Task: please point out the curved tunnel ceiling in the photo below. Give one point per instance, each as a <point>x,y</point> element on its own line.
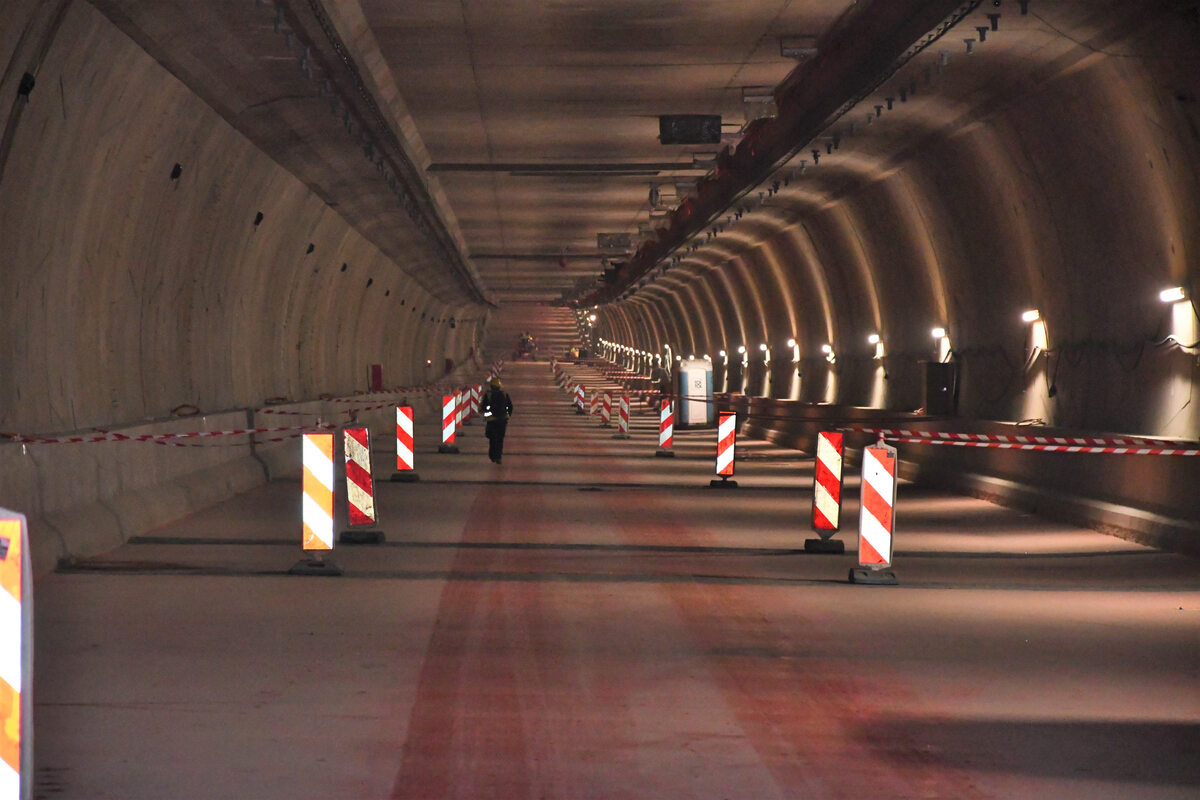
<point>451,156</point>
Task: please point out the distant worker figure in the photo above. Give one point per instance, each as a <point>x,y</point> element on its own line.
<point>497,408</point>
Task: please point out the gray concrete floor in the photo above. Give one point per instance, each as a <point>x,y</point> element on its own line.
<point>589,621</point>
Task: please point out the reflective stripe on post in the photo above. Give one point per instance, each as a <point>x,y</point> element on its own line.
<point>666,424</point>
<point>623,421</point>
<point>317,484</point>
<point>448,409</point>
<point>726,432</point>
<point>360,491</point>
<point>579,392</point>
<point>16,657</point>
<point>827,483</point>
<point>404,438</point>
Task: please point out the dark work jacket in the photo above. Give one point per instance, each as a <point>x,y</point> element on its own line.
<point>497,408</point>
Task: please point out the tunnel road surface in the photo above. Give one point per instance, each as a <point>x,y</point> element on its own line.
<point>588,621</point>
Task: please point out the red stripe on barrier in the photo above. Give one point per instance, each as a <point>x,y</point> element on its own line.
<point>868,554</point>
<point>829,482</point>
<point>876,506</point>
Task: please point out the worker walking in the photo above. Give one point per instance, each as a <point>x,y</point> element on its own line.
<point>497,408</point>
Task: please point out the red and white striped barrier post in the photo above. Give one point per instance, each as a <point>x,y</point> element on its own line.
<point>464,407</point>
<point>477,398</point>
<point>449,407</point>
<point>16,657</point>
<point>316,483</point>
<point>827,495</point>
<point>606,411</point>
<point>666,430</point>
<point>623,419</point>
<point>726,439</point>
<point>360,488</point>
<point>405,472</point>
<point>876,520</point>
<point>579,391</point>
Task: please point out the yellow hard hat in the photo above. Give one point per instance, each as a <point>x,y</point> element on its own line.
<point>495,383</point>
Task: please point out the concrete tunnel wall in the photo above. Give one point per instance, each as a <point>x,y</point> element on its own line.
<point>1078,195</point>
<point>128,294</point>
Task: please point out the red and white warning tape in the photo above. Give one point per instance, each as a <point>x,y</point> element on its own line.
<point>1082,441</point>
<point>160,438</point>
<point>1053,448</point>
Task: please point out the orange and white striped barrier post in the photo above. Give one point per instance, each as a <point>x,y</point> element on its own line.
<point>666,430</point>
<point>877,518</point>
<point>623,419</point>
<point>606,411</point>
<point>360,488</point>
<point>405,463</point>
<point>594,404</point>
<point>449,411</point>
<point>726,437</point>
<point>316,483</point>
<point>16,658</point>
<point>827,495</point>
<point>579,391</point>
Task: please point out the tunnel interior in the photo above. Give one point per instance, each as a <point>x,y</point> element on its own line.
<point>209,211</point>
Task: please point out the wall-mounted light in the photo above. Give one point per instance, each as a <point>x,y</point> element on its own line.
<point>723,355</point>
<point>826,349</point>
<point>791,342</point>
<point>874,339</point>
<point>1032,315</point>
<point>741,349</point>
<point>1173,295</point>
<point>938,333</point>
<point>707,357</point>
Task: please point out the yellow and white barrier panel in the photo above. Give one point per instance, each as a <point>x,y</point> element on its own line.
<point>16,658</point>
<point>317,476</point>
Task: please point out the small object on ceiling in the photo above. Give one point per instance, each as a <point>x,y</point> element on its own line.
<point>176,171</point>
<point>258,218</point>
<point>799,46</point>
<point>689,128</point>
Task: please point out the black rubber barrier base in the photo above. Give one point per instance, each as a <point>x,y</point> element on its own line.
<point>874,577</point>
<point>448,448</point>
<point>621,436</point>
<point>405,477</point>
<point>663,452</point>
<point>361,537</point>
<point>723,483</point>
<point>834,546</point>
<point>315,568</point>
<point>579,411</point>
